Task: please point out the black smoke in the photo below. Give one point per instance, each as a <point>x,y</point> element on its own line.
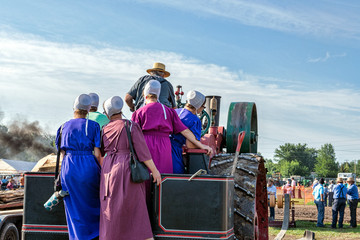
<point>23,140</point>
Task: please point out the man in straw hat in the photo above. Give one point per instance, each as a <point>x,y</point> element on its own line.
<point>167,96</point>
<point>339,203</point>
<point>353,198</point>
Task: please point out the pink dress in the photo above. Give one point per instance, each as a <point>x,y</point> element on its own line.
<point>123,214</point>
<point>157,123</point>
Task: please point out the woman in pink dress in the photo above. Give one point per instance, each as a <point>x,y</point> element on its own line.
<point>124,214</point>
<point>157,123</point>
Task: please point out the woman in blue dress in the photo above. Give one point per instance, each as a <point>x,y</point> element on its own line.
<point>188,115</point>
<point>80,171</point>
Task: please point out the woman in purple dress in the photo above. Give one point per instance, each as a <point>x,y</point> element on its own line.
<point>124,214</point>
<point>80,171</point>
<point>157,123</point>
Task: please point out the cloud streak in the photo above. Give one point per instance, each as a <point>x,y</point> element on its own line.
<point>40,80</point>
<point>326,57</point>
<point>302,18</point>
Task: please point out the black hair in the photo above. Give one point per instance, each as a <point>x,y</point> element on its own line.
<point>321,181</point>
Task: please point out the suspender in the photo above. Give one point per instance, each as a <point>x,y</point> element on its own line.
<point>341,192</point>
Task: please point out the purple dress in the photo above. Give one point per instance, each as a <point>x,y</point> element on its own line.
<point>157,123</point>
<point>80,175</point>
<point>124,214</point>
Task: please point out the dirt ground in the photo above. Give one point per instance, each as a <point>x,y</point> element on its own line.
<point>309,213</point>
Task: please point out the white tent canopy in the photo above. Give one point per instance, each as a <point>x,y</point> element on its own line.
<point>15,166</point>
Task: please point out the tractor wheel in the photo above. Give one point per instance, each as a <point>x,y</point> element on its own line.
<point>242,116</point>
<point>250,195</point>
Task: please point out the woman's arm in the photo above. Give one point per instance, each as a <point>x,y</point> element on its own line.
<point>155,173</point>
<point>62,154</point>
<point>191,137</point>
<point>97,154</point>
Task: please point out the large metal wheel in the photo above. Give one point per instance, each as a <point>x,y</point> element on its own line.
<point>242,116</point>
<point>250,195</point>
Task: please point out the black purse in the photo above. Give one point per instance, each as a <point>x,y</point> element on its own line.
<point>139,171</point>
<point>57,180</point>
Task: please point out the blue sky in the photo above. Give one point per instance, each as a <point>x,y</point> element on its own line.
<point>298,60</point>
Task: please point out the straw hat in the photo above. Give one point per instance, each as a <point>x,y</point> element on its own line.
<point>159,67</point>
<point>339,180</point>
<point>350,179</point>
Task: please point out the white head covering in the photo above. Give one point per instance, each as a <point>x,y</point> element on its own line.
<point>152,87</point>
<point>94,99</point>
<point>82,102</point>
<point>113,105</point>
<point>195,98</point>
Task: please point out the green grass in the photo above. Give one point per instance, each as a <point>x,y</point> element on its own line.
<point>320,233</point>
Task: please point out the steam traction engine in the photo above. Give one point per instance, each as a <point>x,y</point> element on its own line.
<point>250,210</point>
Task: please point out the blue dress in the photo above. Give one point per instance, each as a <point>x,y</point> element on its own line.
<point>192,122</point>
<point>80,176</point>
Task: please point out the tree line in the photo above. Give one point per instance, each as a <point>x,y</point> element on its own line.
<point>299,159</point>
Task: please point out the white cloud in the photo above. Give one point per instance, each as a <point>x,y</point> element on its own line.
<point>326,57</point>
<point>323,19</point>
<point>40,80</point>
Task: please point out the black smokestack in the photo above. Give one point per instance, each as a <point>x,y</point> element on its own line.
<point>26,141</point>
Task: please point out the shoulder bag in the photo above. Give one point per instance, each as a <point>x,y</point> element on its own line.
<point>139,171</point>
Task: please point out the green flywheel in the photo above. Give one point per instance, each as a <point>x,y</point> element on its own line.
<point>242,116</point>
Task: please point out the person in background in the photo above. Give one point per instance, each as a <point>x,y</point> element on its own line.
<point>94,115</point>
<point>293,186</point>
<point>80,171</point>
<point>287,187</point>
<point>4,183</point>
<point>271,189</point>
<point>124,214</point>
<point>326,193</point>
<point>352,198</point>
<point>316,182</point>
<point>157,123</point>
<point>166,97</point>
<point>188,115</point>
<point>339,203</point>
<point>11,184</point>
<point>22,181</point>
<point>318,194</point>
<point>331,192</point>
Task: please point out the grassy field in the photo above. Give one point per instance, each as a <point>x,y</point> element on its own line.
<point>320,233</point>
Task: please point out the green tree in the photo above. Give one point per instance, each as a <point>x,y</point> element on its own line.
<point>296,153</point>
<point>326,165</point>
<point>345,167</point>
<point>271,166</point>
<point>288,169</point>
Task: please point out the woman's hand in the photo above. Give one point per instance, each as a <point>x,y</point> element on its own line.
<point>157,177</point>
<point>208,149</point>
